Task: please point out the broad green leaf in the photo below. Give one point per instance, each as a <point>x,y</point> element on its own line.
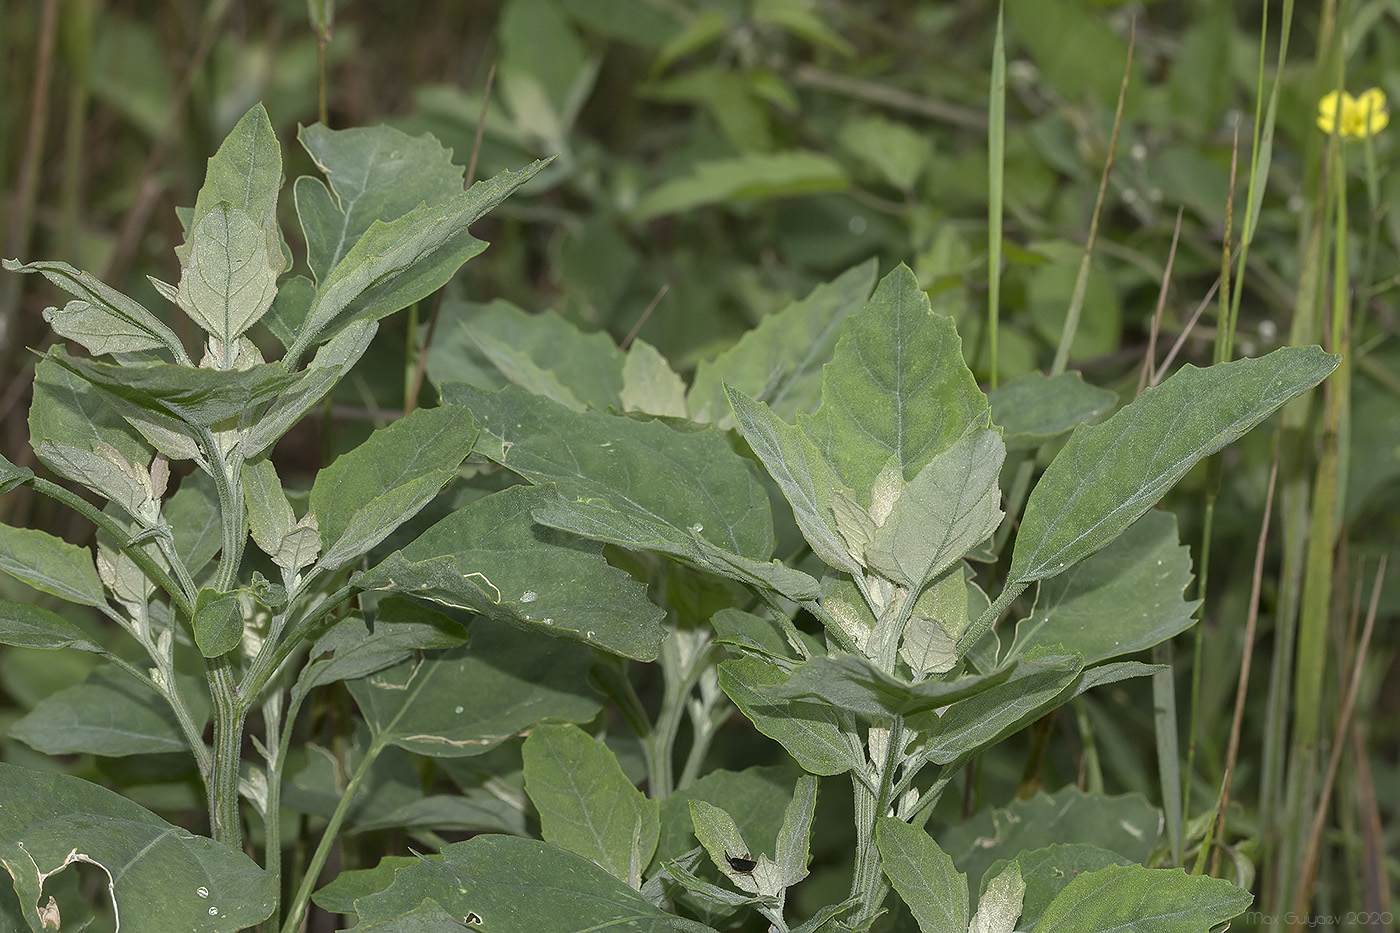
<point>396,263</point>
<point>804,476</point>
<point>294,296</point>
<point>68,409</point>
<point>374,173</point>
<point>468,700</point>
<point>586,804</point>
<point>218,622</point>
<point>649,384</point>
<point>1144,900</point>
<point>27,626</point>
<point>897,151</point>
<point>98,303</point>
<point>160,877</point>
<point>923,875</point>
<point>229,278</point>
<point>722,841</point>
<point>401,628</point>
<point>246,174</point>
<point>1122,599</point>
<point>736,627</point>
<point>492,345</point>
<point>339,896</point>
<point>1112,673</point>
<point>491,557</point>
<point>945,511</point>
<point>110,713</point>
<point>794,840</point>
<point>513,885</point>
<point>474,811</point>
<point>929,645</point>
<point>1036,407</point>
<point>853,683</point>
<point>813,733</point>
<point>100,331</point>
<point>201,397</point>
<point>1109,474</point>
<point>193,515</point>
<point>105,471</point>
<point>378,518</point>
<point>425,446</point>
<point>896,387</point>
<point>668,481</point>
<point>1127,825</point>
<point>756,799</point>
<point>330,364</point>
<point>270,515</point>
<point>779,362</point>
<point>1047,871</point>
<point>51,565</point>
<point>752,177</point>
<point>12,476</point>
<point>1039,683</point>
<point>1000,904</point>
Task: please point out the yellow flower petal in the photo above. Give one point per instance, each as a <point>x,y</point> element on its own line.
<point>1353,117</point>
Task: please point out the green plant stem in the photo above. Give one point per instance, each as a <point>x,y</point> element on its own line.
<point>296,910</point>
<point>996,171</point>
<point>985,622</point>
<point>868,887</point>
<point>222,783</point>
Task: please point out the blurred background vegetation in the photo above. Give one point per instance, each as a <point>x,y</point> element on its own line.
<point>717,158</point>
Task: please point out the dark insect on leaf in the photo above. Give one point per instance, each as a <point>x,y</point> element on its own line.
<point>742,865</point>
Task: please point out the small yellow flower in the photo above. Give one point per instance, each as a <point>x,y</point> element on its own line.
<point>1353,117</point>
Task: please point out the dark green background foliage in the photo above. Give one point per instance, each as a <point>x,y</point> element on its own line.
<point>616,489</point>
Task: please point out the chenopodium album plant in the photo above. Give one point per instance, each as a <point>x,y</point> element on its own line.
<point>888,458</point>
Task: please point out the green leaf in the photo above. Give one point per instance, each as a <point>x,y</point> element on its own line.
<point>330,364</point>
<point>1127,825</point>
<point>757,798</point>
<point>586,804</point>
<point>50,565</point>
<point>110,713</point>
<point>853,683</point>
<point>650,385</point>
<point>294,296</point>
<point>270,515</point>
<point>794,840</point>
<point>229,278</point>
<point>1109,474</point>
<point>1047,871</point>
<point>374,173</point>
<point>779,362</point>
<point>12,476</point>
<point>660,481</point>
<point>751,177</point>
<point>26,626</point>
<point>1038,684</point>
<point>422,449</point>
<point>923,875</point>
<point>401,628</point>
<point>246,174</point>
<point>492,345</point>
<point>68,409</point>
<point>1036,407</point>
<point>396,263</point>
<point>513,885</point>
<point>1000,904</point>
<point>105,471</point>
<point>1144,900</point>
<point>942,513</point>
<point>1123,599</point>
<point>196,397</point>
<point>896,387</point>
<point>490,557</point>
<point>897,151</point>
<point>468,700</point>
<point>802,473</point>
<point>218,622</point>
<point>160,877</point>
<point>195,524</point>
<point>813,733</point>
<point>131,325</point>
